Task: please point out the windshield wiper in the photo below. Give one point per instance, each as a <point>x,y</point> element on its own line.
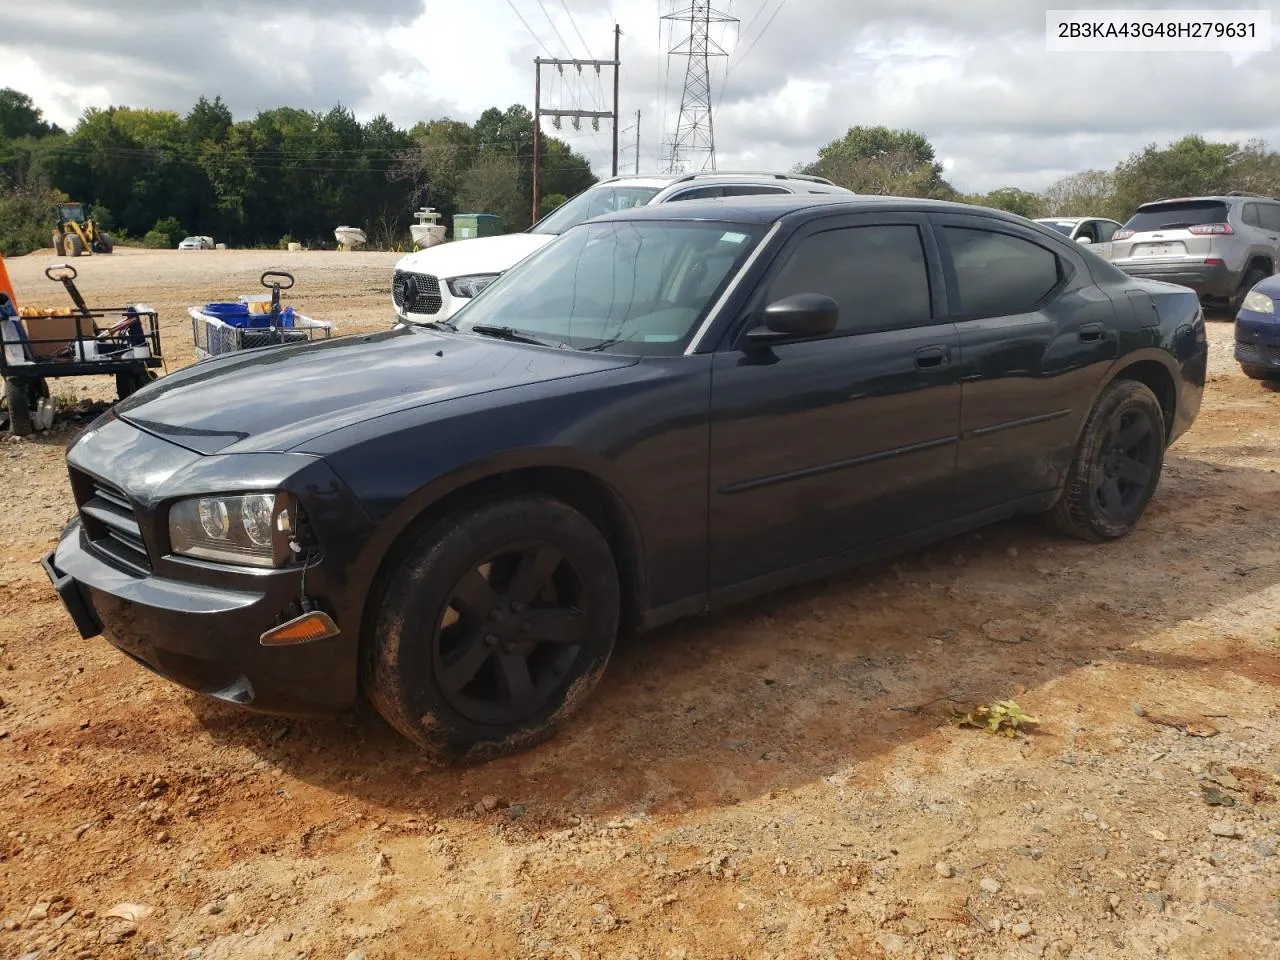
<point>436,325</point>
<point>506,333</point>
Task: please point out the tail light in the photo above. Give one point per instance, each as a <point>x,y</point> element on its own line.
<point>1210,229</point>
<point>1122,235</point>
<point>1212,262</point>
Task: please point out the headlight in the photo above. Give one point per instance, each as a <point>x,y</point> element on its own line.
<point>1258,302</point>
<point>470,286</point>
<point>254,529</point>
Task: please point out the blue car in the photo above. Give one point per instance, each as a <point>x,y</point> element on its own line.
<point>1258,331</point>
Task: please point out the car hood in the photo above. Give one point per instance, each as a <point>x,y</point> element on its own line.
<point>275,398</point>
<point>463,258</point>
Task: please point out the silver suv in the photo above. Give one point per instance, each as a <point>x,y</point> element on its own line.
<point>1218,246</point>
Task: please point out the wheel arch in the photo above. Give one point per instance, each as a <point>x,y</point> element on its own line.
<point>584,490</point>
<point>1261,261</point>
<point>1157,377</point>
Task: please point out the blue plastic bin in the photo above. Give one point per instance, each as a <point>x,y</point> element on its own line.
<point>238,315</point>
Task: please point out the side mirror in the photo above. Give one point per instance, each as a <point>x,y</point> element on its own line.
<point>795,317</point>
<point>1084,240</point>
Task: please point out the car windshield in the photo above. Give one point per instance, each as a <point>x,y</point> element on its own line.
<point>593,203</point>
<point>1171,216</point>
<point>1064,227</point>
<point>633,287</point>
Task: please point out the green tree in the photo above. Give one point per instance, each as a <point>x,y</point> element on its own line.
<point>1190,167</point>
<point>20,117</point>
<point>492,186</point>
<point>1022,202</point>
<point>548,203</point>
<point>880,160</point>
<point>1084,194</point>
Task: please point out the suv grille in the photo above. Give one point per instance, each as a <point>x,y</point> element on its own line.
<point>110,524</point>
<point>416,292</point>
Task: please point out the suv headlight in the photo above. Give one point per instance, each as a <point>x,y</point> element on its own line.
<point>1258,302</point>
<point>252,529</point>
<point>471,286</point>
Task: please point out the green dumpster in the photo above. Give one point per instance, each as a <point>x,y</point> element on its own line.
<point>467,226</point>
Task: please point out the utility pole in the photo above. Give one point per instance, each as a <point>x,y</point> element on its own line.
<point>695,134</point>
<point>577,116</point>
<point>637,143</point>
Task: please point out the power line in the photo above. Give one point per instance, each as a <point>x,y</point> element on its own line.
<point>763,31</point>
<point>529,28</point>
<point>574,24</point>
<point>553,27</point>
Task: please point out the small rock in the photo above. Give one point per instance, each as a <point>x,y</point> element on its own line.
<point>381,863</point>
<point>945,870</point>
<point>80,831</point>
<point>1021,930</point>
<point>33,955</point>
<point>11,925</point>
<point>212,909</point>
<point>990,885</point>
<point>1114,901</point>
<point>1033,853</point>
<point>355,955</point>
<point>1265,847</point>
<point>1139,710</point>
<point>39,912</point>
<point>491,803</point>
<point>912,927</point>
<point>1005,631</point>
<point>195,953</point>
<point>1089,817</point>
<point>515,811</point>
<point>162,836</point>
<point>1156,900</point>
<point>1224,828</point>
<point>132,912</point>
<point>1222,906</point>
<point>891,943</point>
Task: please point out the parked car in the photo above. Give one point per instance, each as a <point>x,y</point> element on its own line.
<point>1218,246</point>
<point>1258,331</point>
<point>1093,232</point>
<point>432,284</point>
<point>196,243</point>
<point>663,411</point>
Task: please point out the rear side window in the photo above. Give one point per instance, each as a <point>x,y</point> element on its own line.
<point>997,274</point>
<point>1250,215</point>
<point>1269,216</point>
<point>1106,230</point>
<point>1176,215</point>
<point>698,193</point>
<point>750,189</point>
<point>877,275</point>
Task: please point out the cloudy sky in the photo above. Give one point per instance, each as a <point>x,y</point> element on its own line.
<point>973,75</point>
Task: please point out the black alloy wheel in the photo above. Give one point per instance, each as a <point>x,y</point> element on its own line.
<point>1127,458</point>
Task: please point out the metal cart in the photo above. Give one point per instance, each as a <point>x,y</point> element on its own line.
<point>253,321</point>
<point>83,341</point>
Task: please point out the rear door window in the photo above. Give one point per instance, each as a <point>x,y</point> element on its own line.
<point>1000,275</point>
<point>1177,215</point>
<point>1250,215</point>
<point>1269,216</point>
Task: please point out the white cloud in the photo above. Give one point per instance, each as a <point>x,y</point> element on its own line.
<point>974,77</point>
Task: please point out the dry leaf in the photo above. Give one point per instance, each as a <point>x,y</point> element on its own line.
<point>1003,717</point>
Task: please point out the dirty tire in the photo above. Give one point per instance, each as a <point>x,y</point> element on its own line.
<point>17,396</point>
<point>129,383</point>
<point>74,245</point>
<point>59,244</point>
<point>104,244</point>
<point>1107,489</point>
<point>475,597</point>
<point>1261,373</point>
<point>1251,280</point>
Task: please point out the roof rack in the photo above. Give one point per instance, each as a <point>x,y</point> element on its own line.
<point>751,173</point>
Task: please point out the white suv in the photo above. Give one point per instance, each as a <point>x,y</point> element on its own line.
<point>432,284</point>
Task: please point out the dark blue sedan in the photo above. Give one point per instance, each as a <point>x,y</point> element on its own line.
<point>659,413</point>
<point>1258,331</point>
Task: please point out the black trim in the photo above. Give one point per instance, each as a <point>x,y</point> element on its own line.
<point>1023,422</point>
<point>73,599</point>
<point>769,481</point>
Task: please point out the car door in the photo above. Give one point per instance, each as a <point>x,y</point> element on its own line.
<point>1106,230</point>
<point>824,445</point>
<point>1269,221</point>
<point>1036,337</point>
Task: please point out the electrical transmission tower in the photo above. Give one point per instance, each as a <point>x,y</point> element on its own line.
<point>694,142</point>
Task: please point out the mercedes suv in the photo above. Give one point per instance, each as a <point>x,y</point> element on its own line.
<point>432,284</point>
<point>1220,247</point>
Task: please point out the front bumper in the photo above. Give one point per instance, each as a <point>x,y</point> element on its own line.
<point>1257,340</point>
<point>203,637</point>
<point>1208,280</point>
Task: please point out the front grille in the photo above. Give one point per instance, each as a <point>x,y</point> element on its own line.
<point>110,524</point>
<point>416,292</point>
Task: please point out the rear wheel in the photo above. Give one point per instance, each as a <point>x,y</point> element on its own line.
<point>128,383</point>
<point>103,244</point>
<point>21,396</point>
<point>1251,279</point>
<point>74,245</point>
<point>495,627</point>
<point>1116,467</point>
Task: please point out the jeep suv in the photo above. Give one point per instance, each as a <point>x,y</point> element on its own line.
<point>432,284</point>
<point>1218,246</point>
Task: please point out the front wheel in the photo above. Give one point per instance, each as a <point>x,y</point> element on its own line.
<point>494,628</point>
<point>1260,373</point>
<point>1116,467</point>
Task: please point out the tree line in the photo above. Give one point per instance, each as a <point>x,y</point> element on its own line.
<point>155,176</point>
<point>287,174</point>
<point>880,160</point>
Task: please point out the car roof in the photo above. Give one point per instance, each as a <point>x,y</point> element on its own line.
<point>1064,219</point>
<point>663,180</point>
<point>1213,198</point>
<point>772,207</point>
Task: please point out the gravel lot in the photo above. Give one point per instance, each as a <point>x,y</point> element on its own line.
<point>783,781</point>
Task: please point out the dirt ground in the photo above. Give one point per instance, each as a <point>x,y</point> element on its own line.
<point>783,781</point>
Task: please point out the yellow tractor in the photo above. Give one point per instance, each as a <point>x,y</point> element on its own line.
<point>76,233</point>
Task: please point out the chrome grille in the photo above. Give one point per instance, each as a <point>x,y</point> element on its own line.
<point>416,292</point>
<point>110,524</point>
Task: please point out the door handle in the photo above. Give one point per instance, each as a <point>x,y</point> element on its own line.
<point>928,358</point>
<point>1091,333</point>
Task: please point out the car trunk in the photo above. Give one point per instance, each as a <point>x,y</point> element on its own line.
<point>1165,231</point>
